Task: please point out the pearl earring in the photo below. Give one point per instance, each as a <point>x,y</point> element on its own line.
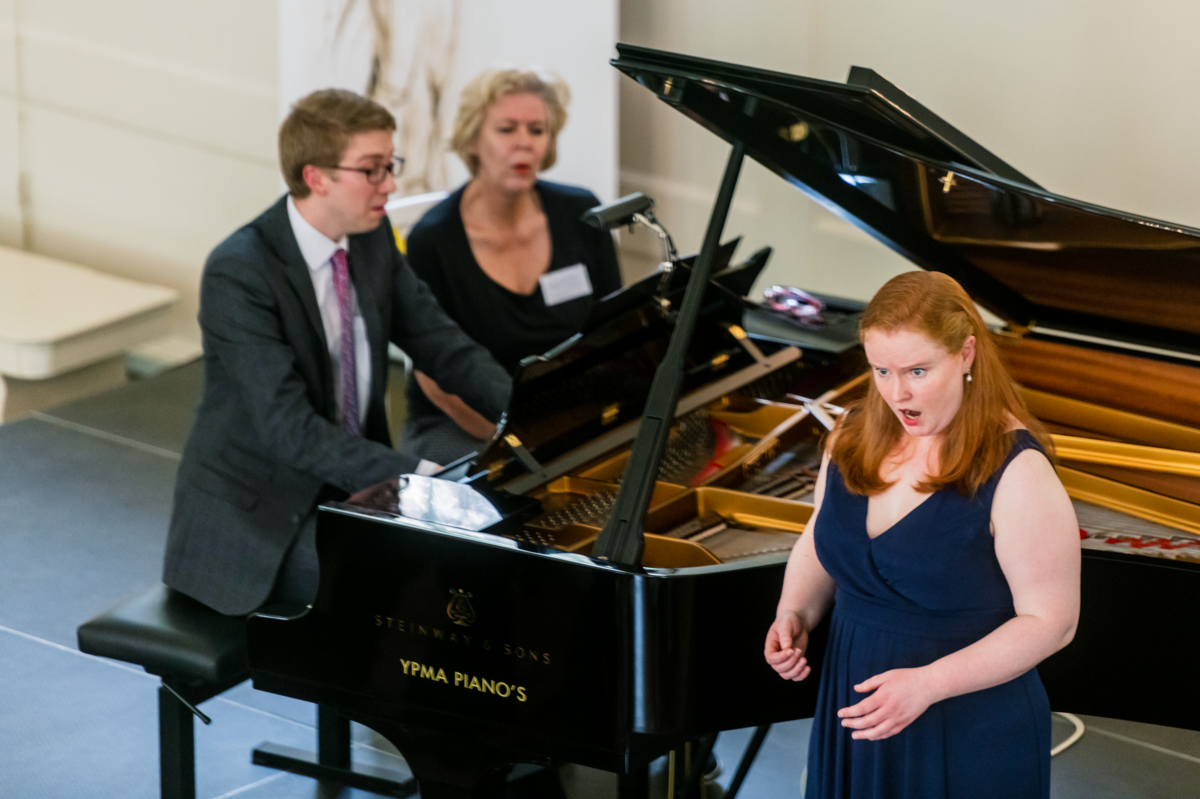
<point>968,375</point>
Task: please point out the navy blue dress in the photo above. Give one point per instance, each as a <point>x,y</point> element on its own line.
<point>928,586</point>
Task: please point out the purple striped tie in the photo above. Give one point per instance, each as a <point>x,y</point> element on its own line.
<point>341,285</point>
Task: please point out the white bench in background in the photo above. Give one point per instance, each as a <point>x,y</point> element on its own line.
<point>64,329</point>
<point>403,212</point>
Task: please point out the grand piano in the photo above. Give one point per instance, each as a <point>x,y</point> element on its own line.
<point>595,585</point>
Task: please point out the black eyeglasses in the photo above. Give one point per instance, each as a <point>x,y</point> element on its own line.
<point>377,174</point>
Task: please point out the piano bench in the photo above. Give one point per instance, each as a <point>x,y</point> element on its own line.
<point>200,653</point>
<point>197,652</point>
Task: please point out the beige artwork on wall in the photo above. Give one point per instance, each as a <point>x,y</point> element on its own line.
<point>409,72</point>
<point>415,56</point>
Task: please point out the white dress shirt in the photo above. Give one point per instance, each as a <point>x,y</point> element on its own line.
<point>318,251</point>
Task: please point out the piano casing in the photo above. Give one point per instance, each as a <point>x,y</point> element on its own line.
<point>456,621</point>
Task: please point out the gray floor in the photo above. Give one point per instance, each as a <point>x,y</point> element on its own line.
<point>85,494</point>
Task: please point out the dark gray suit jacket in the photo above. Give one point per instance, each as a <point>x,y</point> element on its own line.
<point>265,447</point>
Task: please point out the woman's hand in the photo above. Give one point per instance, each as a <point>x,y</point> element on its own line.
<point>786,643</point>
<point>901,695</point>
<point>807,595</point>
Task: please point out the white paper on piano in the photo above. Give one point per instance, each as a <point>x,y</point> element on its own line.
<point>566,284</point>
<point>426,468</point>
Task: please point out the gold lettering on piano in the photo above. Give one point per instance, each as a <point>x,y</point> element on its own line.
<point>414,669</point>
<point>460,638</point>
<point>500,688</point>
<point>948,182</point>
<point>522,653</point>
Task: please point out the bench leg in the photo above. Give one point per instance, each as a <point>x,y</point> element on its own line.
<point>176,747</point>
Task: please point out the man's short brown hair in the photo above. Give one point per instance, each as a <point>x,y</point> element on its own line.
<point>319,128</point>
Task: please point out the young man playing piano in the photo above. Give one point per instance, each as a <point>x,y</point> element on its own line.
<point>296,312</point>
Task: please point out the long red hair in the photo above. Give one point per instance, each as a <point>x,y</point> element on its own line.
<point>974,444</point>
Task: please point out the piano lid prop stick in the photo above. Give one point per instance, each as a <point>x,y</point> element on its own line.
<point>621,541</point>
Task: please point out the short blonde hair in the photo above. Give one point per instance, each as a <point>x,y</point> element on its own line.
<point>487,88</point>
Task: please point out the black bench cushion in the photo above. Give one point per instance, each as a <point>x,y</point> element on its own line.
<point>171,635</point>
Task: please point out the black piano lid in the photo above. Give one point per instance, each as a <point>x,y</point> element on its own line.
<point>876,158</point>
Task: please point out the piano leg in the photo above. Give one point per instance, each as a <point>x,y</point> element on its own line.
<point>634,783</point>
<point>447,766</point>
<point>691,788</point>
<point>332,761</point>
<point>333,738</point>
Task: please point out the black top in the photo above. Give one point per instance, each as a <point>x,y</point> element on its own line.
<point>511,326</point>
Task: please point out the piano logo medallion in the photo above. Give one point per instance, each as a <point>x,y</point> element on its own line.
<point>460,610</point>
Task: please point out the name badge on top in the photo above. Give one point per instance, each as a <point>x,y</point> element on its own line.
<point>566,284</point>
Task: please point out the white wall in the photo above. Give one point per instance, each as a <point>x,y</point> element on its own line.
<point>142,132</point>
<point>448,42</point>
<point>145,129</point>
<point>11,232</point>
<point>1093,99</point>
